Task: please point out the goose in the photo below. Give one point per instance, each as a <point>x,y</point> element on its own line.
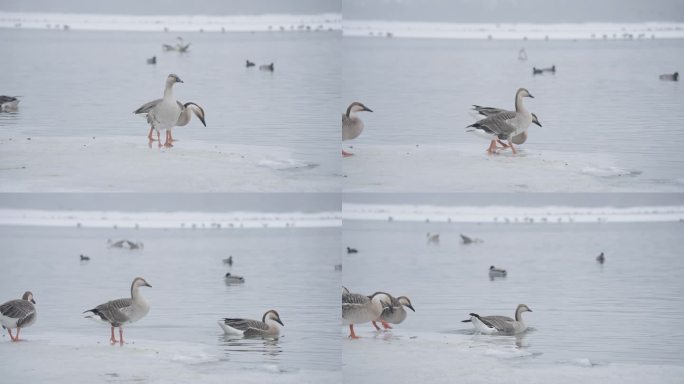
<point>500,324</point>
<point>668,77</point>
<point>358,308</point>
<point>395,313</point>
<point>352,250</point>
<point>432,238</point>
<point>352,125</point>
<point>249,64</point>
<point>163,114</point>
<point>234,279</point>
<point>85,258</point>
<point>122,311</point>
<point>18,314</point>
<point>8,103</point>
<point>496,272</point>
<point>267,67</point>
<point>186,113</point>
<point>520,120</point>
<point>253,328</point>
<point>601,258</point>
<point>228,261</point>
<point>152,60</point>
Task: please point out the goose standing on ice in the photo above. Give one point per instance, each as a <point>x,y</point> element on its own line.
<point>500,324</point>
<point>352,125</point>
<point>395,313</point>
<point>163,114</point>
<point>8,103</point>
<point>18,314</point>
<point>359,309</point>
<point>253,328</point>
<point>122,311</point>
<point>500,124</point>
<point>186,114</point>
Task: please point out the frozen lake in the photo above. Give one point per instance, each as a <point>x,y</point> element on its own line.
<point>590,321</point>
<point>608,121</point>
<point>76,91</point>
<point>179,340</point>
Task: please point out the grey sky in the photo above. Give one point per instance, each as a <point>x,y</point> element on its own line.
<point>192,202</point>
<point>533,11</point>
<point>173,7</point>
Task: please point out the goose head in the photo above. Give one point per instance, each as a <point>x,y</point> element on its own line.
<point>173,79</point>
<point>140,282</point>
<point>197,110</point>
<point>405,301</point>
<point>523,308</point>
<point>535,120</point>
<point>357,107</point>
<point>28,296</point>
<point>522,92</point>
<point>273,316</point>
<point>382,298</point>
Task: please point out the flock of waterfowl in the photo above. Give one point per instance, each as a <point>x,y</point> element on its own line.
<point>494,124</point>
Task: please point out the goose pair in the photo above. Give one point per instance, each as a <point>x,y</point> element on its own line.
<point>358,308</point>
<point>118,312</point>
<point>352,125</point>
<point>500,324</point>
<point>165,113</point>
<point>18,314</point>
<point>500,124</point>
<point>267,327</point>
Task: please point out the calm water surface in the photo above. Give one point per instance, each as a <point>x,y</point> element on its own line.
<point>290,270</point>
<point>629,310</point>
<point>84,83</point>
<point>604,98</point>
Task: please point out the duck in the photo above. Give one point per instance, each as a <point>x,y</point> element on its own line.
<point>85,258</point>
<point>352,125</point>
<point>500,324</point>
<point>670,77</point>
<point>234,279</point>
<point>395,313</point>
<point>152,60</point>
<point>267,327</point>
<point>358,308</point>
<point>119,312</point>
<point>249,64</point>
<point>228,261</point>
<point>496,272</point>
<point>18,314</point>
<point>267,67</point>
<point>351,250</point>
<point>601,258</point>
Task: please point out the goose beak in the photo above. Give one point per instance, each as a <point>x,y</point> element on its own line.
<point>529,310</point>
<point>367,109</point>
<point>33,301</point>
<point>148,285</point>
<point>279,321</point>
<point>537,123</point>
<point>411,307</point>
<point>530,95</point>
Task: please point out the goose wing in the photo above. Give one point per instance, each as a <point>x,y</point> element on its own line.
<point>247,326</point>
<point>501,323</point>
<point>487,111</point>
<point>498,124</point>
<point>18,309</point>
<point>115,311</point>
